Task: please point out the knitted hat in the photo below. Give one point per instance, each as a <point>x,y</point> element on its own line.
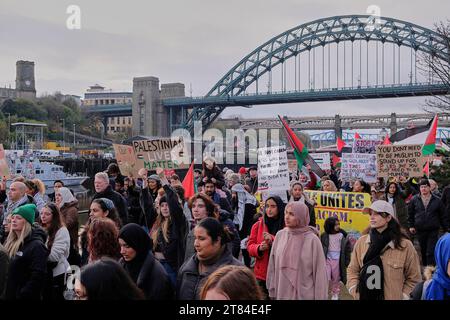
<point>155,177</point>
<point>27,211</point>
<point>242,170</point>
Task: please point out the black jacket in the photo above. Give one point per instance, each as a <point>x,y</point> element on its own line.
<point>4,262</point>
<point>136,213</point>
<point>431,218</point>
<point>190,282</point>
<point>174,249</point>
<point>153,279</point>
<point>119,202</point>
<point>226,219</point>
<point>344,258</point>
<point>252,184</point>
<point>28,268</point>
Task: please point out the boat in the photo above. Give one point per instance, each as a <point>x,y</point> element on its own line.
<point>30,167</point>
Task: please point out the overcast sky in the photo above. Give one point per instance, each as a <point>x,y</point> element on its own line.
<point>190,41</point>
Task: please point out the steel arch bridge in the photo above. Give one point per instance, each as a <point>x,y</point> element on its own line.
<point>336,31</point>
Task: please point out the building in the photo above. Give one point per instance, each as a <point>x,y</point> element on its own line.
<point>98,95</point>
<point>25,83</point>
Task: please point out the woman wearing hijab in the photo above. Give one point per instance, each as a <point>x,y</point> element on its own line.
<point>297,269</point>
<point>439,287</point>
<point>262,237</point>
<point>68,206</point>
<point>140,263</point>
<point>297,194</point>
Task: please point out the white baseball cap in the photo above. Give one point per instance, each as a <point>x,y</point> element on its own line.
<point>381,206</point>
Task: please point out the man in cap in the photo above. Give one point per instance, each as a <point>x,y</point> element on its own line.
<point>252,181</point>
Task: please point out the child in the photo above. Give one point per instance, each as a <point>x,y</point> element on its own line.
<point>337,250</point>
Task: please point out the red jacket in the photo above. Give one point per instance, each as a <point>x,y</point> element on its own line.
<point>255,240</point>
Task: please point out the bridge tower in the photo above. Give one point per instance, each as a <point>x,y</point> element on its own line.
<point>393,123</point>
<point>337,126</point>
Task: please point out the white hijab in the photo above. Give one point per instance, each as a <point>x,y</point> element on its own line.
<point>67,196</point>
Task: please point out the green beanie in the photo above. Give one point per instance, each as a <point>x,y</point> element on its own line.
<point>27,212</point>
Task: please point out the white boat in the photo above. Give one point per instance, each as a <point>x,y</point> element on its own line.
<point>31,168</point>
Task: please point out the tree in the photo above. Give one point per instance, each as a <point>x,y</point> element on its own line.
<point>441,174</point>
<point>431,65</point>
<point>24,108</point>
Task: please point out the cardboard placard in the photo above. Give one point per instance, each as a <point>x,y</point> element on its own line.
<point>359,166</point>
<point>400,160</point>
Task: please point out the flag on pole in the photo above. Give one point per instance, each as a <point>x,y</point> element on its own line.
<point>335,160</point>
<point>429,145</point>
<point>300,150</point>
<point>340,144</point>
<point>189,186</point>
<point>412,135</point>
<point>357,136</point>
<point>386,140</point>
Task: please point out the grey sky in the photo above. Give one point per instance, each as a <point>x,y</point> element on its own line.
<point>188,41</point>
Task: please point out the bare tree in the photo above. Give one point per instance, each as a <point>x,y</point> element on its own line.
<point>438,68</point>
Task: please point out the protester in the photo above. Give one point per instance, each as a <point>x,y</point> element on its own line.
<point>298,195</point>
<point>212,172</point>
<point>5,230</point>
<point>439,286</point>
<point>396,197</point>
<point>329,186</point>
<point>245,205</point>
<point>113,172</point>
<point>309,183</point>
<point>58,243</point>
<point>242,175</point>
<point>175,180</point>
<point>231,283</point>
<point>262,236</point>
<point>105,279</point>
<point>211,240</point>
<point>252,180</point>
<point>28,256</point>
<point>197,176</point>
<point>17,197</point>
<point>136,213</point>
<point>56,185</point>
<point>102,238</point>
<point>388,251</point>
<point>68,206</point>
<point>104,190</point>
<point>169,231</point>
<point>360,185</point>
<point>36,189</point>
<point>142,266</point>
<point>4,262</point>
<point>297,269</point>
<point>434,188</point>
<point>202,207</point>
<point>337,250</point>
<point>419,291</point>
<point>426,214</point>
<point>218,196</point>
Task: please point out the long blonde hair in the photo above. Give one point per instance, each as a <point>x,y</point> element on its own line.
<point>14,241</point>
<point>161,225</point>
<point>40,185</point>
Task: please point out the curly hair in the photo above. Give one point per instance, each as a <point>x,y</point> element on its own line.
<point>211,207</point>
<point>102,237</point>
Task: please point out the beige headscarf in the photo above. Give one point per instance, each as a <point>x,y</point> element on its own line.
<point>297,263</point>
<point>67,196</point>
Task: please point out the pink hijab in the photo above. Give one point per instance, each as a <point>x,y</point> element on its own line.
<point>294,252</point>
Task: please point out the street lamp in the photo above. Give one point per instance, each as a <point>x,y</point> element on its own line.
<point>64,134</point>
<point>9,128</point>
<point>74,137</point>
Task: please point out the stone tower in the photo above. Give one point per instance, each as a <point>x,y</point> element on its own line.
<point>25,84</point>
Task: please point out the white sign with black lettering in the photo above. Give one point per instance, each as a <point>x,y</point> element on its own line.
<point>273,173</point>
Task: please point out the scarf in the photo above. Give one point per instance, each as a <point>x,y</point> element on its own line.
<point>67,196</point>
<point>135,236</point>
<point>439,288</point>
<point>372,258</point>
<point>13,205</point>
<point>243,198</point>
<point>275,224</point>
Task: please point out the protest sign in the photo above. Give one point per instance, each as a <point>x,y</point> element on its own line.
<point>322,159</point>
<point>358,166</point>
<point>273,173</point>
<point>346,206</point>
<point>166,153</point>
<point>365,146</point>
<point>126,160</point>
<point>4,168</point>
<point>400,160</point>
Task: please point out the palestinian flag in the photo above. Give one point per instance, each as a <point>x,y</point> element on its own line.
<point>189,185</point>
<point>430,143</point>
<point>386,141</point>
<point>426,168</point>
<point>414,135</point>
<point>336,159</point>
<point>357,136</point>
<point>340,144</point>
<point>300,150</point>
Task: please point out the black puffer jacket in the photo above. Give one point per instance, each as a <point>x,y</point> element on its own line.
<point>28,268</point>
<point>119,202</point>
<point>226,219</point>
<point>431,218</point>
<point>190,281</point>
<point>153,279</point>
<point>136,214</point>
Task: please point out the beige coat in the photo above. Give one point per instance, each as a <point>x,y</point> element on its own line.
<point>401,268</point>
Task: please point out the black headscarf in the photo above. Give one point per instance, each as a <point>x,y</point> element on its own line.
<point>275,224</point>
<point>136,237</point>
<point>378,241</point>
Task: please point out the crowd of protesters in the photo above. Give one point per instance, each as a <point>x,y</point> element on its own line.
<point>144,240</point>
